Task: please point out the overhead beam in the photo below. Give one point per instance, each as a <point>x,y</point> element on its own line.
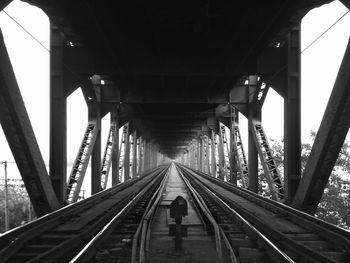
<point>328,142</point>
<point>21,139</point>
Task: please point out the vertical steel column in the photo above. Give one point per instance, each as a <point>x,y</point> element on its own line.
<point>199,154</point>
<point>138,155</point>
<point>127,157</point>
<point>233,154</point>
<point>207,156</point>
<point>142,154</point>
<point>153,155</point>
<point>115,147</point>
<point>134,152</point>
<point>146,156</point>
<point>221,158</point>
<point>150,155</point>
<point>191,156</point>
<point>96,162</point>
<point>95,115</point>
<point>194,161</point>
<point>58,115</point>
<point>20,136</point>
<point>292,117</point>
<point>203,141</point>
<point>213,154</point>
<point>253,157</point>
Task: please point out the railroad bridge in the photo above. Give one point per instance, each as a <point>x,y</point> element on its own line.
<point>174,76</point>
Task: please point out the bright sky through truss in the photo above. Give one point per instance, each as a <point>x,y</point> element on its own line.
<point>320,65</point>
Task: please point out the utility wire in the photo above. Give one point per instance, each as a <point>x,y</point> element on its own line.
<point>25,30</point>
<point>308,46</point>
<point>324,32</point>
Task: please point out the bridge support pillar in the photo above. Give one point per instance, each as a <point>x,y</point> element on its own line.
<point>58,116</point>
<point>328,142</point>
<point>127,157</point>
<point>207,160</point>
<point>142,155</point>
<point>233,154</point>
<point>292,117</point>
<point>147,155</point>
<point>94,110</point>
<point>96,163</point>
<point>21,139</point>
<point>115,148</point>
<point>199,154</point>
<point>134,155</point>
<point>253,157</point>
<point>221,160</point>
<point>213,154</point>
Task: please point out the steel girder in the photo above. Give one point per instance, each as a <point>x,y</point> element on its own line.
<point>328,142</point>
<point>21,139</point>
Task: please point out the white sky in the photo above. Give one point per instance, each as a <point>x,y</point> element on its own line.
<point>320,65</point>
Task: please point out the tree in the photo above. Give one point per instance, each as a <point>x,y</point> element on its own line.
<point>19,208</point>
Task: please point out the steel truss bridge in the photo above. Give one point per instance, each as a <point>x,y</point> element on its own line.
<point>174,78</point>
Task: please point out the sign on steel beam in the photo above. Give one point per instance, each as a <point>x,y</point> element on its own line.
<point>81,162</point>
<point>268,162</point>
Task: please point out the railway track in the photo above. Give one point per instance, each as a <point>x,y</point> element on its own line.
<point>118,240</point>
<point>236,239</point>
<point>301,237</point>
<point>58,236</point>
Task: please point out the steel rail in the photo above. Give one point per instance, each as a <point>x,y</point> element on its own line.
<point>324,229</point>
<point>146,222</point>
<point>288,243</point>
<point>51,220</point>
<point>9,236</point>
<point>267,244</point>
<point>219,233</point>
<point>89,250</point>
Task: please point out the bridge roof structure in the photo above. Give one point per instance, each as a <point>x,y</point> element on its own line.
<point>175,72</point>
<point>170,64</point>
